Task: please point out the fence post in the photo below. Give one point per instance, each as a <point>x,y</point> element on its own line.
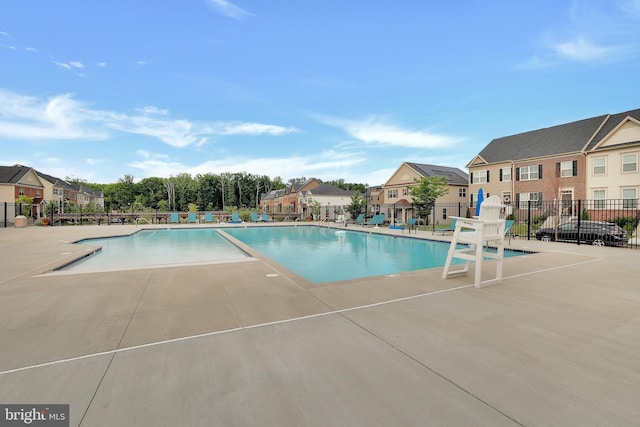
<point>579,218</point>
<point>5,214</point>
<point>528,219</point>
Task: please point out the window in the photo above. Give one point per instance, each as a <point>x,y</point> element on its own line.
<point>405,192</point>
<point>629,162</point>
<point>480,177</point>
<point>599,196</point>
<point>567,169</point>
<point>630,198</point>
<point>530,173</point>
<point>525,198</point>
<point>505,174</point>
<point>393,193</point>
<point>600,166</point>
<point>462,192</point>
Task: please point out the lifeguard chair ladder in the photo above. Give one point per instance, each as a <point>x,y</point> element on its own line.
<point>489,228</point>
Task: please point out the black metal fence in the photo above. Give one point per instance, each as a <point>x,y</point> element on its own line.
<point>600,222</point>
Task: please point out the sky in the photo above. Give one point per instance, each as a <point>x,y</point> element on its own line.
<point>332,89</point>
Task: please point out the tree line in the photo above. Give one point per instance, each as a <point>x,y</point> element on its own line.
<point>184,192</point>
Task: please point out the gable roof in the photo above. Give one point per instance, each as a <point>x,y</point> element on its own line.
<point>612,122</point>
<point>12,174</point>
<point>575,137</point>
<point>452,175</point>
<point>329,190</point>
<point>562,139</point>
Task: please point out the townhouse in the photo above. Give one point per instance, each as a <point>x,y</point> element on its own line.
<point>397,204</point>
<point>594,158</point>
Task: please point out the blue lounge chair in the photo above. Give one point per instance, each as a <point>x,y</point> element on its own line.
<point>174,218</point>
<point>208,217</point>
<point>372,221</point>
<point>377,220</point>
<point>360,219</point>
<point>192,218</point>
<point>266,218</point>
<point>255,217</point>
<point>235,218</point>
<point>450,228</point>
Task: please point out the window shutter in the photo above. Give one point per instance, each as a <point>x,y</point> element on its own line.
<point>487,176</point>
<point>518,199</point>
<point>539,171</point>
<point>500,175</point>
<point>517,174</point>
<point>471,178</point>
<point>558,169</point>
<point>575,168</point>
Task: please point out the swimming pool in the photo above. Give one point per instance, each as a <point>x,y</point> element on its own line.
<point>156,248</point>
<point>319,254</point>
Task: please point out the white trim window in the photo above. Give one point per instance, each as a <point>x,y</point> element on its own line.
<point>462,192</point>
<point>529,173</point>
<point>630,162</point>
<point>566,169</point>
<point>600,166</point>
<point>392,193</point>
<point>525,198</point>
<point>480,177</point>
<point>630,198</point>
<point>505,174</point>
<point>599,198</point>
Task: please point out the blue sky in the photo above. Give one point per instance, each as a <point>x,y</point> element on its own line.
<point>330,89</point>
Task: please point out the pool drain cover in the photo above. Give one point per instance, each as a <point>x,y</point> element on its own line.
<point>272,275</point>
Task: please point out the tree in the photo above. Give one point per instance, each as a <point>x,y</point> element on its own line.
<point>425,194</point>
<point>357,205</point>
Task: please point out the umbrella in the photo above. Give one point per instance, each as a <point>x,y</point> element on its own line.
<point>480,200</point>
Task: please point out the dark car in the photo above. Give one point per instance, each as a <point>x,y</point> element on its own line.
<point>598,233</point>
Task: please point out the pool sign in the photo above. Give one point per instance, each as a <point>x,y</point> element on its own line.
<point>34,415</point>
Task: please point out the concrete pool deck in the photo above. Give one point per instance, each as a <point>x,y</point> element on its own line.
<point>243,344</point>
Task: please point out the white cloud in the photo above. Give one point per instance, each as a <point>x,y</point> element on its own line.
<point>226,8</point>
<point>255,129</point>
<point>58,117</point>
<point>580,49</point>
<point>62,117</point>
<point>376,131</point>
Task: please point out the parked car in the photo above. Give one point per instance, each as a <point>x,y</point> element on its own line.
<point>598,233</point>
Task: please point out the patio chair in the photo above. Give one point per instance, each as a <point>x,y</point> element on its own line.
<point>192,218</point>
<point>255,217</point>
<point>488,227</point>
<point>360,219</point>
<point>451,227</point>
<point>507,228</point>
<point>174,218</point>
<point>235,218</point>
<point>208,217</point>
<point>412,224</point>
<point>266,218</point>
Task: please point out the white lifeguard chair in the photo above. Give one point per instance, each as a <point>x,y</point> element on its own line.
<point>489,228</point>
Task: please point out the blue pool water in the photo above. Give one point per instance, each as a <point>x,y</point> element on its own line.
<point>318,254</point>
<point>155,248</point>
<point>326,255</point>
